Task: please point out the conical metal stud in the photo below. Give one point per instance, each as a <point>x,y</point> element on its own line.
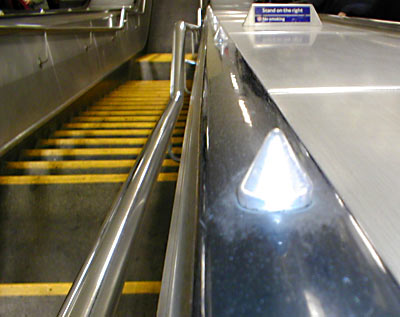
<point>275,180</point>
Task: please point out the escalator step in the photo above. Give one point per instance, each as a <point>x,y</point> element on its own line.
<point>55,197</point>
<point>162,57</point>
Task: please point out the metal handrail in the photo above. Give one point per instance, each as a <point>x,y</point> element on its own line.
<point>98,286</point>
<point>139,10</point>
<point>176,294</point>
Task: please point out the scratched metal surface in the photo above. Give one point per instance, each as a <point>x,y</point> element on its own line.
<point>339,88</point>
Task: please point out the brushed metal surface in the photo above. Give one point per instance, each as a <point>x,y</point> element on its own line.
<point>353,139</point>
<point>340,91</point>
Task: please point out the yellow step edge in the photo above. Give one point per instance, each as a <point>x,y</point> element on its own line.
<point>149,82</point>
<point>130,103</point>
<point>134,92</point>
<point>163,89</point>
<point>161,57</point>
<point>126,113</point>
<point>99,125</point>
<point>118,107</point>
<point>133,103</point>
<point>89,151</point>
<point>148,97</point>
<point>102,141</point>
<point>80,164</point>
<point>146,82</point>
<point>121,96</point>
<point>127,108</point>
<point>158,88</point>
<point>109,125</point>
<point>121,118</point>
<point>114,132</point>
<point>75,179</point>
<point>149,93</point>
<point>62,289</point>
<point>146,101</point>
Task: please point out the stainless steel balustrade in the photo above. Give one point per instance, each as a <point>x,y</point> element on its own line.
<point>177,282</point>
<point>98,285</point>
<point>139,9</point>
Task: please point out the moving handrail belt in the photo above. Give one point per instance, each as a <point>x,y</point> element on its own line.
<point>96,289</point>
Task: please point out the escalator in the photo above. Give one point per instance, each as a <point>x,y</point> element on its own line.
<point>55,196</point>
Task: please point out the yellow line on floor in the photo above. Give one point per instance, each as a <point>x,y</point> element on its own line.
<point>102,141</point>
<point>89,152</point>
<point>62,289</point>
<point>161,57</point>
<point>113,132</point>
<point>75,179</point>
<point>110,125</point>
<point>122,118</point>
<point>79,164</point>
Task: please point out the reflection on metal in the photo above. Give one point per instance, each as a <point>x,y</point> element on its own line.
<point>368,244</point>
<point>275,180</point>
<point>313,304</point>
<point>220,39</point>
<point>234,82</point>
<point>279,38</point>
<point>245,112</point>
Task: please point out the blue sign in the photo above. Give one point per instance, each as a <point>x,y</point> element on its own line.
<point>281,14</point>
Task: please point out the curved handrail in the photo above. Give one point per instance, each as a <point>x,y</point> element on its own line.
<point>96,290</point>
<point>139,9</point>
